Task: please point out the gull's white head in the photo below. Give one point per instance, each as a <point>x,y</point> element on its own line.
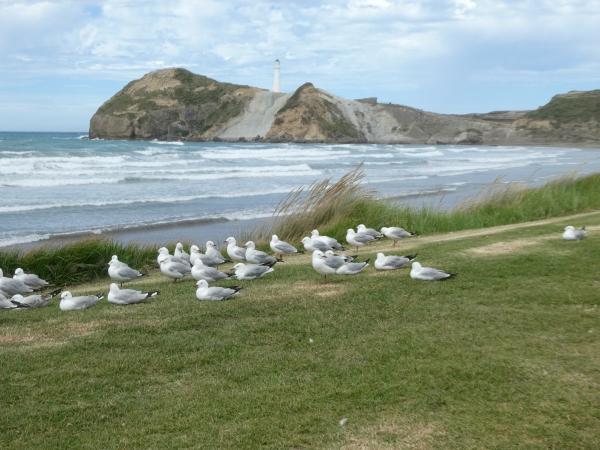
<point>250,244</point>
<point>114,287</point>
<point>274,238</point>
<point>314,233</point>
<point>179,246</point>
<point>202,283</point>
<point>163,251</point>
<point>350,231</point>
<point>210,244</point>
<point>384,229</point>
<point>65,294</point>
<point>194,249</point>
<point>380,255</point>
<point>230,240</point>
<point>17,297</point>
<point>305,239</point>
<point>19,271</point>
<point>239,266</point>
<point>318,254</point>
<point>416,265</point>
<point>329,253</point>
<point>361,227</point>
<point>569,228</point>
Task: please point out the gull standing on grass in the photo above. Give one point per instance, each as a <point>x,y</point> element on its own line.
<point>181,253</point>
<point>358,239</point>
<point>257,256</point>
<point>251,271</point>
<point>418,272</point>
<point>235,253</point>
<point>331,242</point>
<point>392,262</point>
<point>573,234</point>
<point>321,265</point>
<point>30,279</point>
<point>215,293</point>
<point>35,300</point>
<point>174,268</point>
<point>70,303</point>
<point>118,296</point>
<point>396,233</point>
<point>12,286</point>
<point>337,261</point>
<point>213,256</point>
<point>164,255</point>
<point>201,271</point>
<point>370,231</point>
<point>120,272</point>
<point>310,245</point>
<point>281,248</point>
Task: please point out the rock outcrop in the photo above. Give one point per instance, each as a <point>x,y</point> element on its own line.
<point>177,104</point>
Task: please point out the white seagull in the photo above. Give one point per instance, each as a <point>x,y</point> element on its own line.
<point>418,272</point>
<point>370,231</point>
<point>30,279</point>
<point>163,255</point>
<point>35,300</point>
<point>118,296</point>
<point>120,272</point>
<point>12,286</point>
<point>215,293</point>
<point>352,268</point>
<point>358,239</point>
<point>392,262</point>
<point>310,245</point>
<point>337,261</point>
<point>235,253</point>
<point>257,256</point>
<point>181,253</point>
<point>320,264</point>
<point>6,303</point>
<point>70,303</point>
<point>213,255</point>
<point>573,234</point>
<point>201,271</point>
<point>281,248</point>
<point>251,271</point>
<point>331,242</point>
<point>175,268</point>
<point>396,233</point>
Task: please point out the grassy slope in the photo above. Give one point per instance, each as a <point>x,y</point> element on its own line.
<point>504,356</point>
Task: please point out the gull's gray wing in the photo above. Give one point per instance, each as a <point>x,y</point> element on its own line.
<point>433,274</point>
<point>284,247</point>
<point>128,272</point>
<point>363,238</point>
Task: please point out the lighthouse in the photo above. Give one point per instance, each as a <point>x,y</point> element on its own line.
<point>276,76</point>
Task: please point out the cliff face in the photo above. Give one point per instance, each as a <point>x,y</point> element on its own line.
<point>176,104</point>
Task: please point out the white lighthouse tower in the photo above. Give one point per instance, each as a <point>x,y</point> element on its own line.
<point>276,77</point>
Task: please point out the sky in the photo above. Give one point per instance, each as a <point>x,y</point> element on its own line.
<point>60,60</point>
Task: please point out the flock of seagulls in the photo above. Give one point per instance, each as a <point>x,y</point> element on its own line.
<point>23,289</point>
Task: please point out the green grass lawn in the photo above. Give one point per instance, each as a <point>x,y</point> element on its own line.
<point>506,355</point>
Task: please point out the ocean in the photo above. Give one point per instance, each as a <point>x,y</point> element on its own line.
<point>62,184</point>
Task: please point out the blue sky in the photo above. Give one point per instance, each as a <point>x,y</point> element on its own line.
<point>62,59</point>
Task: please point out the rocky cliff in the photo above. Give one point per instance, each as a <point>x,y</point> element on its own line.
<point>176,104</point>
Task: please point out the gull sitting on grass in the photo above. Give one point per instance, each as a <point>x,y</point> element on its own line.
<point>70,303</point>
<point>418,272</point>
<point>235,253</point>
<point>215,293</point>
<point>396,233</point>
<point>30,279</point>
<point>181,253</point>
<point>573,234</point>
<point>118,296</point>
<point>35,300</point>
<point>358,239</point>
<point>257,256</point>
<point>120,272</point>
<point>5,303</point>
<point>281,248</point>
<point>370,231</point>
<point>12,286</point>
<point>310,245</point>
<point>331,242</point>
<point>352,268</point>
<point>392,262</point>
<point>201,271</point>
<point>251,271</point>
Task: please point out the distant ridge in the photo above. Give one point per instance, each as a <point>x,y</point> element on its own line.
<point>177,104</point>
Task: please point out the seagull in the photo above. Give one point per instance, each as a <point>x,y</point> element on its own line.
<point>352,268</point>
<point>331,242</point>
<point>6,303</point>
<point>573,234</point>
<point>181,253</point>
<point>396,233</point>
<point>118,296</point>
<point>200,271</point>
<point>251,271</point>
<point>281,248</point>
<point>392,262</point>
<point>213,255</point>
<point>70,303</point>
<point>310,245</point>
<point>235,253</point>
<point>370,231</point>
<point>175,268</point>
<point>418,272</point>
<point>358,239</point>
<point>35,300</point>
<point>337,261</point>
<point>12,286</point>
<point>215,293</point>
<point>121,272</point>
<point>30,279</point>
<point>321,265</point>
<point>195,254</point>
<point>258,257</point>
<point>163,255</point>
